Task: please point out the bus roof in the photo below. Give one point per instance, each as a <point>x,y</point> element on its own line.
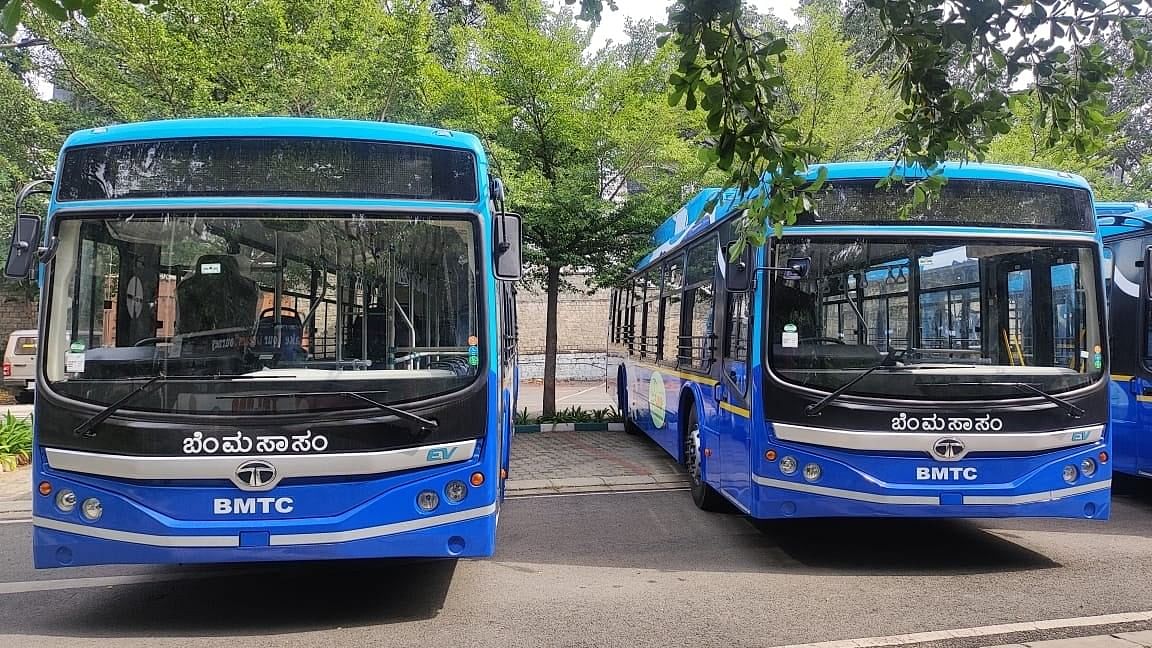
<point>1117,223</point>
<point>275,127</point>
<point>693,217</point>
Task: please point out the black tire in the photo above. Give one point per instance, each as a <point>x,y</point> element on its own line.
<point>25,396</point>
<point>705,497</point>
<point>622,402</point>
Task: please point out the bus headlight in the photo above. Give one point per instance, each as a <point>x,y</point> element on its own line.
<point>1070,474</point>
<point>427,500</point>
<point>812,472</point>
<point>788,465</point>
<point>65,500</point>
<point>1088,467</point>
<point>91,509</point>
<point>455,491</point>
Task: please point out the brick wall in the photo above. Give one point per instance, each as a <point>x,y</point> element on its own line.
<point>17,307</point>
<point>581,319</point>
<point>17,311</point>
<point>581,331</point>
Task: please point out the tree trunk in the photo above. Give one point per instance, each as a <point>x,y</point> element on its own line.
<point>552,288</point>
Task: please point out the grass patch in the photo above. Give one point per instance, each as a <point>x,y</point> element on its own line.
<point>15,442</point>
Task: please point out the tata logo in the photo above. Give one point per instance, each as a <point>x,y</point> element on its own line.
<point>251,505</point>
<point>945,473</point>
<point>255,475</point>
<point>948,449</point>
<point>441,454</point>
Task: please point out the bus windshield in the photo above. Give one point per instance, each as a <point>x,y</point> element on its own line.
<point>949,319</point>
<point>380,304</point>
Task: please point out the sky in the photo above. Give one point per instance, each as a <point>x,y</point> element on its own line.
<point>612,24</point>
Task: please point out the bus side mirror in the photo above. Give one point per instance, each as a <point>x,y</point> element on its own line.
<point>508,249</point>
<point>797,268</point>
<point>25,247</point>
<point>738,273</point>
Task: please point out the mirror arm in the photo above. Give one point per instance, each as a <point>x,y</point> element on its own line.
<point>46,253</point>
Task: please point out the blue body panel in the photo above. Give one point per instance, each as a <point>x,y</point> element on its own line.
<point>737,430</point>
<point>1126,228</point>
<point>332,517</point>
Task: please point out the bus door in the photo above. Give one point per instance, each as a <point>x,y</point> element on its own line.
<point>732,393</point>
<point>1130,391</point>
<point>1139,386</point>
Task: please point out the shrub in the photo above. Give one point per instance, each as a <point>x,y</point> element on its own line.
<point>15,442</point>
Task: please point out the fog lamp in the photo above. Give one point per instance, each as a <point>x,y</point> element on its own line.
<point>1070,474</point>
<point>455,491</point>
<point>91,509</point>
<point>65,500</point>
<point>427,500</point>
<point>788,465</point>
<point>812,472</point>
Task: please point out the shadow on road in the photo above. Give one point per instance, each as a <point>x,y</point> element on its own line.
<point>665,531</point>
<point>899,546</point>
<point>257,600</point>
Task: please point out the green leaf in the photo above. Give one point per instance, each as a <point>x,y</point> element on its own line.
<point>53,9</point>
<point>821,178</point>
<point>10,16</point>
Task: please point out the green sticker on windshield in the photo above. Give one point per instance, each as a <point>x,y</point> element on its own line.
<point>77,347</point>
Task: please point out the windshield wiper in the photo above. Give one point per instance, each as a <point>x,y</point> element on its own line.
<point>426,423</point>
<point>888,360</point>
<point>87,429</point>
<point>1072,410</point>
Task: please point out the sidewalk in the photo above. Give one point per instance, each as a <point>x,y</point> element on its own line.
<point>19,411</point>
<point>16,492</point>
<point>1119,640</point>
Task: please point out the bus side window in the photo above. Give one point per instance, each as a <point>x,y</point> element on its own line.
<point>736,340</point>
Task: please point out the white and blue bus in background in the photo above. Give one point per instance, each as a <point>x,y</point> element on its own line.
<point>1127,231</point>
<point>270,339</point>
<point>952,365</point>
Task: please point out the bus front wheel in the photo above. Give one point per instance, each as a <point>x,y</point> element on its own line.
<point>703,495</point>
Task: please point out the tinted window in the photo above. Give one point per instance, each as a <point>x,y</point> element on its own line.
<point>267,167</point>
<point>962,202</point>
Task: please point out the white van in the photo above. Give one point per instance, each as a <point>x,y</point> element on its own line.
<point>20,364</point>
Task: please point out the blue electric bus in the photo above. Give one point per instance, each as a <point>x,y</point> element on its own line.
<point>1127,231</point>
<point>951,365</point>
<point>270,339</point>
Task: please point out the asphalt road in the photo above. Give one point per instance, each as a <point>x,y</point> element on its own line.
<point>634,569</point>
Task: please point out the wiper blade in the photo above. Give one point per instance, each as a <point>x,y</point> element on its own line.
<point>1072,410</point>
<point>889,360</point>
<point>87,429</point>
<point>426,423</point>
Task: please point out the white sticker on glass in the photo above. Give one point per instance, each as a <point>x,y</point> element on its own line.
<point>209,268</point>
<point>790,339</point>
<point>74,362</point>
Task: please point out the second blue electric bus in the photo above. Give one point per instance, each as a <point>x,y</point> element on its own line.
<point>954,364</point>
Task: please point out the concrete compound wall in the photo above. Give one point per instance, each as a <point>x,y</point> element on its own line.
<point>581,331</point>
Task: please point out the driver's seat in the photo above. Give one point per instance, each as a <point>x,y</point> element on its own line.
<point>216,296</point>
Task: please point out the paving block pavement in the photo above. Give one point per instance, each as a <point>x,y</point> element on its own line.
<point>583,461</point>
